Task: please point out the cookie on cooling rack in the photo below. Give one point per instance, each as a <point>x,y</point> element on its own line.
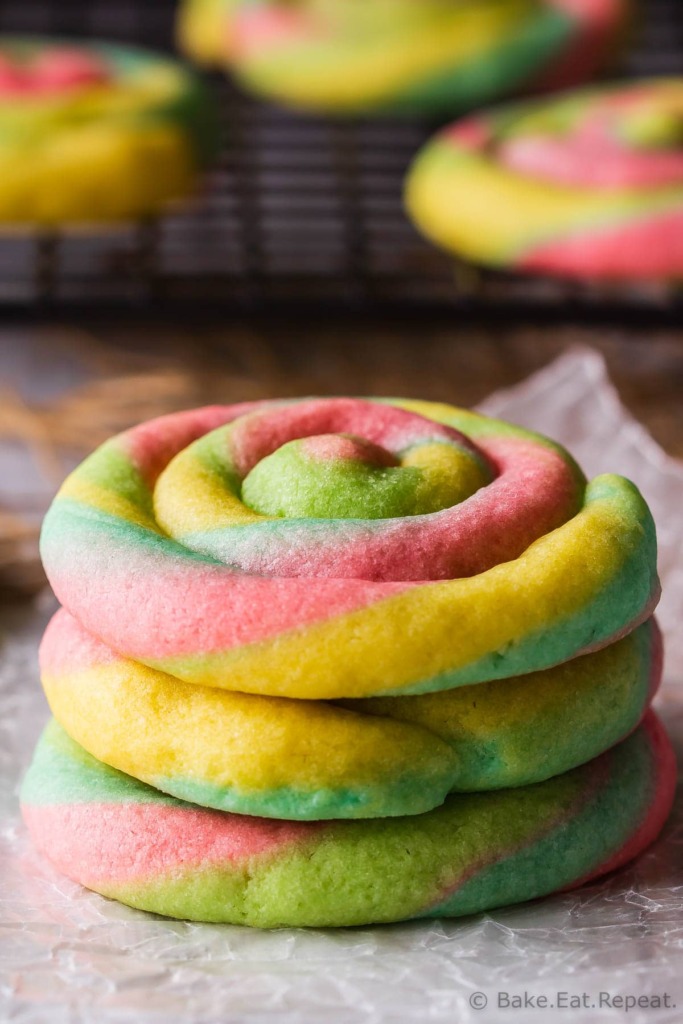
<point>394,56</point>
<point>96,133</point>
<point>586,186</point>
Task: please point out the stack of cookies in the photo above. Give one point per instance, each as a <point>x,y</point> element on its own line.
<point>339,662</point>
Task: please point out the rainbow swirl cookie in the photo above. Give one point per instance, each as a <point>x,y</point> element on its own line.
<point>339,548</point>
<point>588,186</point>
<point>311,760</point>
<point>291,612</point>
<point>406,55</point>
<point>128,841</point>
<point>95,133</point>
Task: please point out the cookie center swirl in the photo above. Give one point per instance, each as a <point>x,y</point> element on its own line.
<point>340,476</point>
<point>284,490</point>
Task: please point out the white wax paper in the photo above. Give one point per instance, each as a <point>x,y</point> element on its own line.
<point>69,956</point>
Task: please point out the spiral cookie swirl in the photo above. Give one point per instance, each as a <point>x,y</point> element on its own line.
<point>435,54</point>
<point>463,549</point>
<point>590,185</point>
<point>96,133</point>
<point>127,840</point>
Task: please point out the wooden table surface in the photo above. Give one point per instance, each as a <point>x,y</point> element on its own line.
<point>438,360</point>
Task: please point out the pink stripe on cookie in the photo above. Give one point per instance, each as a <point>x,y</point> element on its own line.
<point>130,842</point>
<point>226,609</point>
<point>67,648</point>
<point>652,248</point>
<point>258,436</point>
<point>591,162</point>
<point>153,444</point>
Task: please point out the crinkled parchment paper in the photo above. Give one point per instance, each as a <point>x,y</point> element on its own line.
<point>67,955</point>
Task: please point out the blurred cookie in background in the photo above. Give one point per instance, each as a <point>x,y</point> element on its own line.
<point>399,56</point>
<point>96,133</point>
<point>586,186</point>
<point>204,30</point>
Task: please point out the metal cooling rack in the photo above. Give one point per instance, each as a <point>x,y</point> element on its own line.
<point>298,210</point>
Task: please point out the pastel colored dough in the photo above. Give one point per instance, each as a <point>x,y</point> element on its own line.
<point>128,841</point>
<point>93,133</point>
<point>399,55</point>
<point>531,569</point>
<point>588,185</point>
<point>304,760</point>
